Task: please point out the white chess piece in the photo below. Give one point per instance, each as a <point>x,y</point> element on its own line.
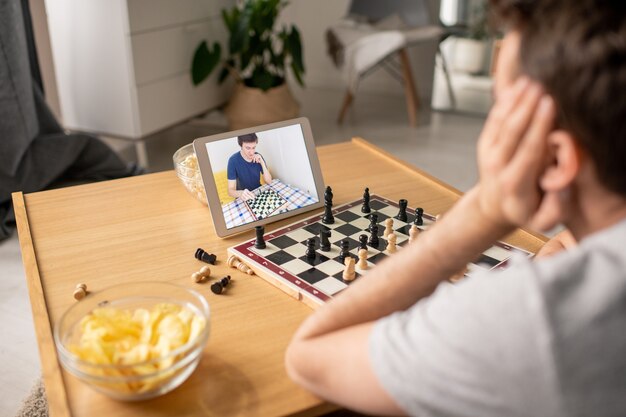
<point>362,259</point>
<point>413,233</point>
<point>391,243</point>
<point>348,272</point>
<point>388,226</point>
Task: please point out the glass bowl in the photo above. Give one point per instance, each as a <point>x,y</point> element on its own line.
<point>188,172</point>
<point>132,380</point>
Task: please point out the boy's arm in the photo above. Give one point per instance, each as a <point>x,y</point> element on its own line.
<point>267,176</point>
<point>511,160</point>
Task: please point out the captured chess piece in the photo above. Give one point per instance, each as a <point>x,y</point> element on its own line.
<point>419,219</point>
<point>363,241</point>
<point>388,226</point>
<point>348,273</point>
<point>402,213</point>
<point>203,256</point>
<point>234,262</point>
<point>328,217</point>
<point>373,221</point>
<point>362,259</point>
<point>366,201</point>
<point>391,243</point>
<point>202,274</point>
<point>260,242</point>
<point>373,240</point>
<point>345,250</point>
<point>80,291</point>
<point>324,240</point>
<point>219,286</point>
<point>310,248</point>
<point>414,232</point>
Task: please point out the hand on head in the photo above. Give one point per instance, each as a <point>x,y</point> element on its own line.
<point>513,156</point>
<point>257,158</point>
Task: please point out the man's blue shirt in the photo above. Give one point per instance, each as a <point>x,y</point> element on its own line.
<point>247,174</point>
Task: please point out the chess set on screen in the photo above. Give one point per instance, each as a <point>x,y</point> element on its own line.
<point>316,258</point>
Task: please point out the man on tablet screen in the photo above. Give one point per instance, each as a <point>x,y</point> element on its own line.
<point>245,168</point>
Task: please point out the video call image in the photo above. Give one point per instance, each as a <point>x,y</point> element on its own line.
<point>262,174</point>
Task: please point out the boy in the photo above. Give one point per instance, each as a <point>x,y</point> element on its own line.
<point>542,338</point>
<point>245,168</point>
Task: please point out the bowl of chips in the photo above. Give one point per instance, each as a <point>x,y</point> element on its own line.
<point>134,341</point>
<point>188,172</point>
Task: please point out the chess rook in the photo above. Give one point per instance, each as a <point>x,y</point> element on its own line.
<point>234,262</point>
<point>366,201</point>
<point>402,213</point>
<point>203,256</point>
<point>260,242</point>
<point>219,286</point>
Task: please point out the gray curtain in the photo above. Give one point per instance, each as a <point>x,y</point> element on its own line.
<point>35,152</point>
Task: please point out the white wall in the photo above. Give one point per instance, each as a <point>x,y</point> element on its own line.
<point>284,152</point>
<point>314,17</point>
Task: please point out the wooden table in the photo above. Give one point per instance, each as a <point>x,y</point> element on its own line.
<point>147,228</point>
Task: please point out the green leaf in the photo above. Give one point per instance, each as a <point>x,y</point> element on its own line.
<point>297,74</point>
<point>263,79</point>
<point>240,37</point>
<point>295,49</point>
<point>204,61</point>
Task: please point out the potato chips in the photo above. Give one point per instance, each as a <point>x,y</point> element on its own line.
<point>139,341</point>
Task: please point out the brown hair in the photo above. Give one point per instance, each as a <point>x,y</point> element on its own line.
<point>249,137</point>
<point>576,49</point>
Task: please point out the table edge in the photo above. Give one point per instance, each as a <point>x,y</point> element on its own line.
<point>58,405</point>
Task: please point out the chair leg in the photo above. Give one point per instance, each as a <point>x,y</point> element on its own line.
<point>347,101</point>
<point>410,91</point>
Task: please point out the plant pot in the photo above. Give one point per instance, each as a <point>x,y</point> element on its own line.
<point>253,106</point>
<point>469,55</point>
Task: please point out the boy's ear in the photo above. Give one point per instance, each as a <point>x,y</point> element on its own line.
<point>564,156</point>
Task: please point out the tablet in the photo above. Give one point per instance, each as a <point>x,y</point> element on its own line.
<point>259,175</point>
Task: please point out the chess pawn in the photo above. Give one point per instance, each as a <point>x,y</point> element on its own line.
<point>388,226</point>
<point>80,291</point>
<point>234,262</point>
<point>391,243</point>
<point>348,273</point>
<point>413,233</point>
<point>362,259</point>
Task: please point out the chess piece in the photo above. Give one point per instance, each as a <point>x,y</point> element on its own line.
<point>373,240</point>
<point>363,241</point>
<point>260,242</point>
<point>310,248</point>
<point>413,233</point>
<point>219,286</point>
<point>328,217</point>
<point>402,213</point>
<point>366,201</point>
<point>345,250</point>
<point>80,291</point>
<point>362,259</point>
<point>388,226</point>
<point>202,274</point>
<point>373,221</point>
<point>324,240</point>
<point>203,256</point>
<point>391,243</point>
<point>234,262</point>
<point>348,273</point>
<point>419,220</point>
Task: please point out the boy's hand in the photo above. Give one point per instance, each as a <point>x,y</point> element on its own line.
<point>257,158</point>
<point>247,195</point>
<point>512,154</point>
<point>564,240</point>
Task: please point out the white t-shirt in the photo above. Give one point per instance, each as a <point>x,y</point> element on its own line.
<point>544,338</point>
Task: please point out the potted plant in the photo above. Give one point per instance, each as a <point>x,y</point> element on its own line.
<point>470,51</point>
<point>258,58</point>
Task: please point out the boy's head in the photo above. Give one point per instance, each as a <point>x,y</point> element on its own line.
<point>576,49</point>
<point>248,144</point>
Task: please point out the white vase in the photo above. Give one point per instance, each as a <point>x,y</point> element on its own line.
<point>469,55</point>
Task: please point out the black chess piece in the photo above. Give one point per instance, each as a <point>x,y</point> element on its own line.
<point>345,250</point>
<point>260,242</point>
<point>203,256</point>
<point>373,240</point>
<point>419,220</point>
<point>366,201</point>
<point>310,248</point>
<point>328,217</point>
<point>219,286</point>
<point>402,213</point>
<point>373,221</point>
<point>324,240</point>
<point>362,241</point>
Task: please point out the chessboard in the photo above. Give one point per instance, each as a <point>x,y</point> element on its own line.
<point>265,203</point>
<point>283,262</point>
